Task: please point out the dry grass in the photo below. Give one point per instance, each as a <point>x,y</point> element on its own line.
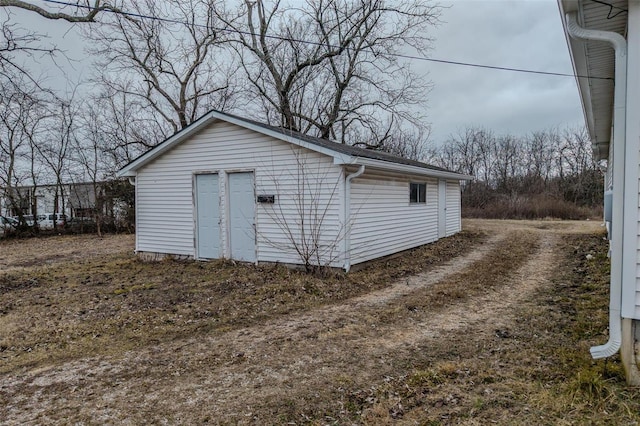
<point>500,335</point>
<point>103,306</point>
<point>492,270</point>
<point>538,371</point>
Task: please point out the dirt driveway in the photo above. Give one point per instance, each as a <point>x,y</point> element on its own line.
<point>334,363</point>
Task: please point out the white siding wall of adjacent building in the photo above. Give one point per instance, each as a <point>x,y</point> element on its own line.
<point>608,177</point>
<point>453,215</point>
<point>632,136</point>
<point>165,204</point>
<point>383,221</point>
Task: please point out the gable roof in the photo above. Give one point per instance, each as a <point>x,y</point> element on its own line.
<point>341,153</point>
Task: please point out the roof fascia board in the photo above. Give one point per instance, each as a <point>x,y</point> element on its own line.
<point>577,53</point>
<point>404,168</point>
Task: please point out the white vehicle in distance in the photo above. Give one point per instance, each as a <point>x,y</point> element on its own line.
<point>28,219</point>
<point>47,220</point>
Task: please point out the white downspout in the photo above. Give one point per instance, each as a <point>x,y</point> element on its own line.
<point>347,217</point>
<point>619,145</point>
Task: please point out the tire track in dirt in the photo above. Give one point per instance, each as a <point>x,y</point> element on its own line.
<point>491,309</point>
<point>308,324</point>
<point>227,376</point>
<point>324,355</point>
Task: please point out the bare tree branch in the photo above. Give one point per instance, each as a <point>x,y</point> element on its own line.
<point>329,67</point>
<point>90,10</point>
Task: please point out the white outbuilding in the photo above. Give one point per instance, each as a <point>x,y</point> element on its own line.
<point>229,187</point>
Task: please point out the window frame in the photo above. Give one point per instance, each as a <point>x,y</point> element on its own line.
<point>420,193</point>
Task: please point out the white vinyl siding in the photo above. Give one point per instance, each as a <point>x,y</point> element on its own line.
<point>637,293</point>
<point>308,192</point>
<point>383,221</point>
<point>453,213</point>
<point>165,212</point>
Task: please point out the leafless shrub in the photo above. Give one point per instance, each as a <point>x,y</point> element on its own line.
<point>305,198</point>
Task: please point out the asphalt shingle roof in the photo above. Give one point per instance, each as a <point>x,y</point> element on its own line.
<point>340,147</point>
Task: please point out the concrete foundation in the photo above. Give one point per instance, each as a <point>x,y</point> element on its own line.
<point>630,350</point>
<point>149,256</point>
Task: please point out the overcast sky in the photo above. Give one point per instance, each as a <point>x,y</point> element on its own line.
<point>510,33</point>
<point>516,34</point>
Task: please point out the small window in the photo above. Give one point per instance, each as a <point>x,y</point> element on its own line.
<point>417,192</point>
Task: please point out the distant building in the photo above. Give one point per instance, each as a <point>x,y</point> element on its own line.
<point>76,200</point>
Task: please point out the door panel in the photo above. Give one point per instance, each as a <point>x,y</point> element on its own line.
<point>242,234</point>
<point>207,216</point>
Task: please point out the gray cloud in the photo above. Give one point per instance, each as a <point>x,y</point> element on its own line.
<point>515,34</point>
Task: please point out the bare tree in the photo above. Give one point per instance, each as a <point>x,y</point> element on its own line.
<point>16,45</point>
<point>540,149</point>
<point>125,128</point>
<point>101,197</point>
<point>471,151</point>
<point>508,161</point>
<point>525,176</point>
<point>54,149</point>
<point>580,178</point>
<point>330,67</point>
<point>411,144</point>
<point>21,113</point>
<point>173,62</point>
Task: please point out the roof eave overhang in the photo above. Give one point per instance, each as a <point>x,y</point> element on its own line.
<point>405,169</point>
<point>130,170</point>
<point>580,62</point>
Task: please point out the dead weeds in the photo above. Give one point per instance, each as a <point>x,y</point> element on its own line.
<point>501,339</point>
<point>107,305</point>
<point>538,371</point>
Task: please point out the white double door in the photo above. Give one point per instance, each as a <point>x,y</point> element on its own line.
<point>240,217</point>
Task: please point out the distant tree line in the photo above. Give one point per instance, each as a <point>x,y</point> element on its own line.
<point>550,173</point>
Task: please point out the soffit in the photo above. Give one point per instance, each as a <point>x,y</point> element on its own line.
<point>594,64</point>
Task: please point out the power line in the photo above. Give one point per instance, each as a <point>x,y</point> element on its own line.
<point>314,43</point>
